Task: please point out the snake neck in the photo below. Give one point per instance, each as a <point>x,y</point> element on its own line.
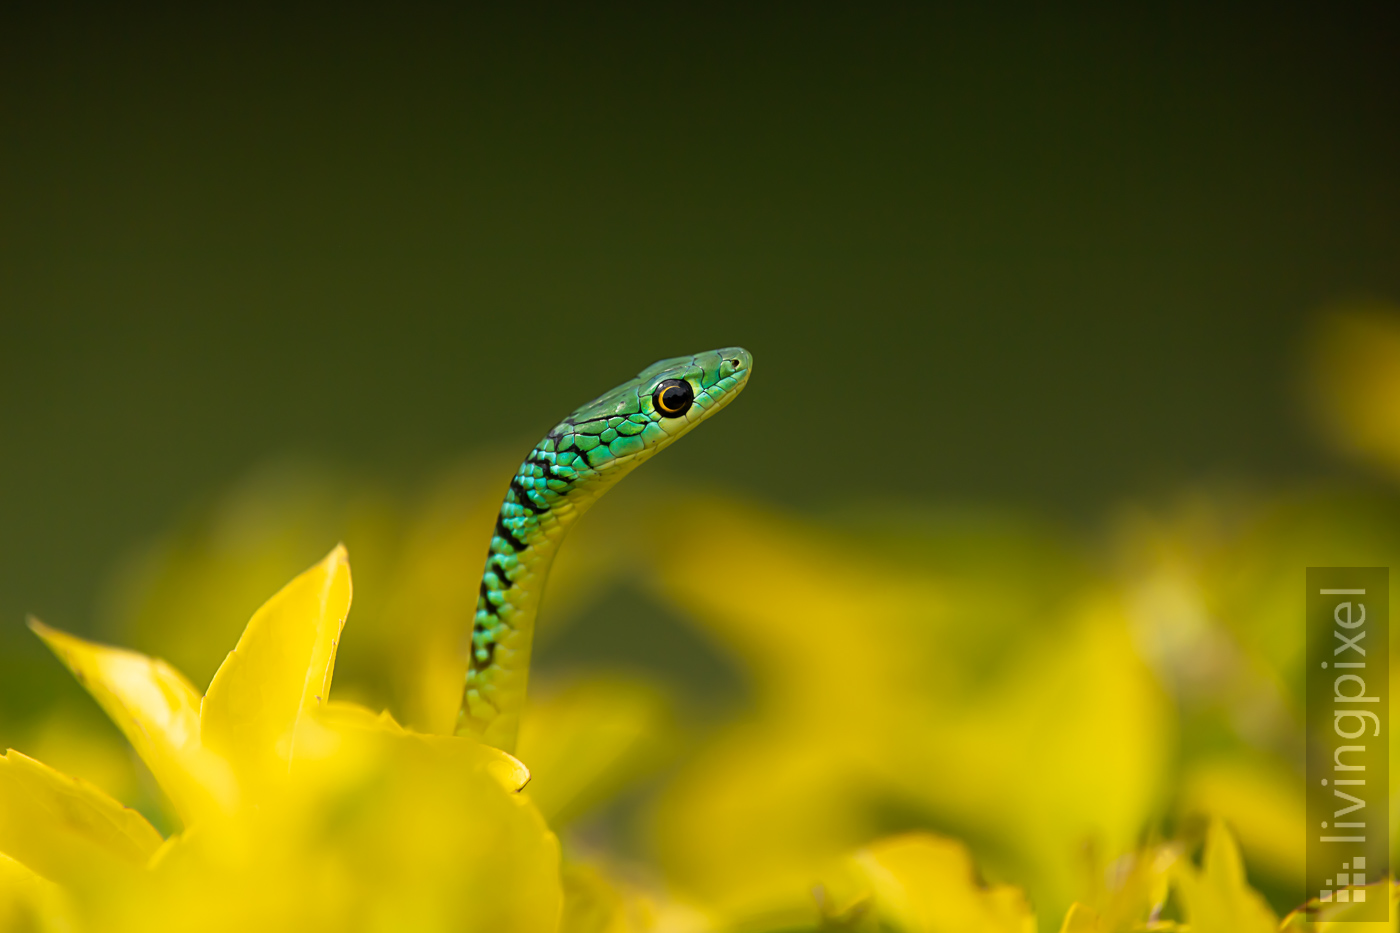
<point>583,457</point>
<point>548,493</point>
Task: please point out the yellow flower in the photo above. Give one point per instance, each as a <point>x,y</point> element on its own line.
<point>298,813</point>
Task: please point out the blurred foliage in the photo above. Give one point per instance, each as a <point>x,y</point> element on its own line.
<point>1356,383</point>
<point>933,720</point>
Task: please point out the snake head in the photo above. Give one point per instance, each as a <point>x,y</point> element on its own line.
<point>664,401</point>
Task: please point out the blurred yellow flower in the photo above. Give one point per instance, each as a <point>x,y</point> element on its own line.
<point>892,698</point>
<point>1355,380</point>
<point>586,741</point>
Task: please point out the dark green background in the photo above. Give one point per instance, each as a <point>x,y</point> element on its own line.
<point>1044,260</point>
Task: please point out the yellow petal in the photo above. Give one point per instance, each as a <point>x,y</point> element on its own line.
<point>158,711</point>
<point>1128,893</point>
<point>347,715</point>
<point>504,768</point>
<point>375,828</point>
<point>279,672</point>
<point>1217,898</point>
<point>1081,919</point>
<point>332,719</point>
<point>65,829</point>
<point>28,902</point>
<point>926,884</point>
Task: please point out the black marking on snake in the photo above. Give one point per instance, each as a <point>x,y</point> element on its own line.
<point>559,430</point>
<point>504,534</point>
<point>523,498</point>
<point>551,470</point>
<point>506,582</point>
<point>549,473</point>
<point>545,466</point>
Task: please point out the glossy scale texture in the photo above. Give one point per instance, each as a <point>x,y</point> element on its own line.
<point>579,460</point>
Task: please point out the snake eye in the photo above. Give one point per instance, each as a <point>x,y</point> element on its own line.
<point>673,398</point>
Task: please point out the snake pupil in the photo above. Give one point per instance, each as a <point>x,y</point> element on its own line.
<point>673,397</point>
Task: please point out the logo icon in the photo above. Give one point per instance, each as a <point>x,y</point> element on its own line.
<point>1349,884</point>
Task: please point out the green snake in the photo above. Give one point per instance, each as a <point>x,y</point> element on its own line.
<point>582,458</point>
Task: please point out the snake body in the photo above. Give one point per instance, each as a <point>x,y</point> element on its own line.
<point>580,459</point>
